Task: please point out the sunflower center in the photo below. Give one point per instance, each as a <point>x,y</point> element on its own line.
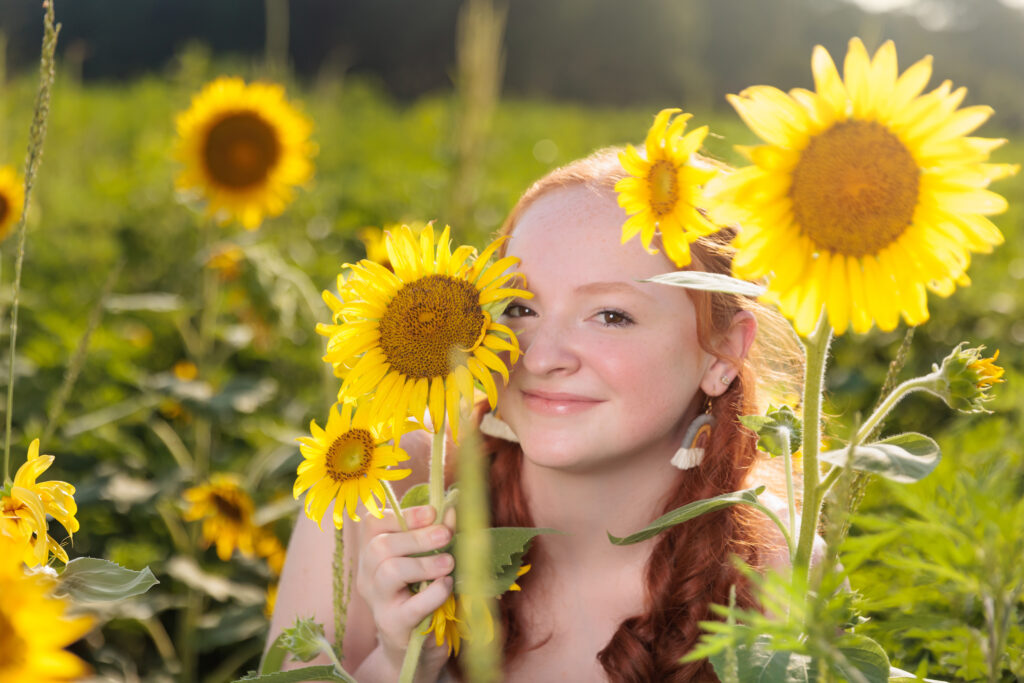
<point>227,507</point>
<point>240,150</point>
<point>664,187</point>
<point>429,321</point>
<point>349,456</point>
<point>12,646</point>
<point>855,188</point>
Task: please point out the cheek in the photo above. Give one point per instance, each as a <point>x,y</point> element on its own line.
<point>653,377</point>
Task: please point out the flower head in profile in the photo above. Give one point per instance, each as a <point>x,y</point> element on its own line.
<point>663,191</point>
<point>418,337</point>
<point>347,461</point>
<point>226,510</point>
<point>25,504</point>
<point>965,378</point>
<point>34,625</point>
<point>245,148</point>
<point>866,194</point>
<point>12,200</point>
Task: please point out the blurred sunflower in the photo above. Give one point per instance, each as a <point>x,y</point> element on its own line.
<point>12,199</point>
<point>244,148</point>
<point>34,625</point>
<point>25,504</point>
<point>417,337</point>
<point>866,193</point>
<point>447,626</point>
<point>270,549</point>
<point>663,192</point>
<point>226,510</point>
<point>347,461</point>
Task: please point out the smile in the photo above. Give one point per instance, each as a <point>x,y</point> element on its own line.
<point>548,403</point>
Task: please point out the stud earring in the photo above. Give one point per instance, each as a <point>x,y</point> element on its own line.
<point>697,437</point>
<point>726,379</point>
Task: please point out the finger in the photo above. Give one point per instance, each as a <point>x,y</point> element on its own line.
<point>449,518</point>
<point>383,547</point>
<point>395,574</point>
<point>415,517</point>
<point>427,600</point>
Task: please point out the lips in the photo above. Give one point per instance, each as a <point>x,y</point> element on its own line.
<point>558,403</point>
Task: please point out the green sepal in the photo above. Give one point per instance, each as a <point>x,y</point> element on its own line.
<point>774,428</point>
<point>904,458</point>
<point>416,496</point>
<point>496,309</point>
<point>91,579</point>
<point>690,511</point>
<point>308,673</point>
<point>708,282</point>
<point>305,640</point>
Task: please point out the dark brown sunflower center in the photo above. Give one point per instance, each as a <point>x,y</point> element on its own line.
<point>429,321</point>
<point>240,150</point>
<point>664,187</point>
<point>5,207</point>
<point>349,456</point>
<point>855,188</point>
<point>228,507</point>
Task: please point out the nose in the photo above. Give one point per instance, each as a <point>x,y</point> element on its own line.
<point>549,349</point>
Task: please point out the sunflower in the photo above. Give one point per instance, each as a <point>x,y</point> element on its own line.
<point>34,626</point>
<point>12,199</point>
<point>866,194</point>
<point>447,626</point>
<point>416,338</point>
<point>25,503</point>
<point>226,510</point>
<point>346,462</point>
<point>663,191</point>
<point>244,148</point>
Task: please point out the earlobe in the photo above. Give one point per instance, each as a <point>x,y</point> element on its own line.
<point>733,347</point>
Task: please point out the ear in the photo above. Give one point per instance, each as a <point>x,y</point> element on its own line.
<point>734,345</point>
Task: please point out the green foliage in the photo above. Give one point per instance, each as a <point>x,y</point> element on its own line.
<point>904,458</point>
<point>778,430</point>
<point>688,512</point>
<point>90,579</point>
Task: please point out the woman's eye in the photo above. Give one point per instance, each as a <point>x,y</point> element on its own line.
<point>613,318</point>
<point>515,310</point>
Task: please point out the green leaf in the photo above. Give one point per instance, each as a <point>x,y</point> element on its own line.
<point>866,656</point>
<point>708,282</point>
<point>759,663</point>
<point>774,429</point>
<point>417,495</point>
<point>90,579</point>
<point>508,545</point>
<point>904,458</point>
<point>690,511</point>
<point>309,673</point>
<point>274,659</point>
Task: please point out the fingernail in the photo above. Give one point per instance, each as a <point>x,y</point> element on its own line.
<point>444,561</point>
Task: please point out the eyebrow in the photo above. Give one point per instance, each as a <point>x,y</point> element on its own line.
<point>611,288</point>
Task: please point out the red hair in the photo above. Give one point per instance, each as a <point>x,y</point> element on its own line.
<point>690,567</point>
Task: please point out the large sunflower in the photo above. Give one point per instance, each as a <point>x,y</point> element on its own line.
<point>417,337</point>
<point>12,200</point>
<point>866,193</point>
<point>663,192</point>
<point>34,625</point>
<point>346,462</point>
<point>245,148</point>
<point>25,504</point>
<point>226,510</point>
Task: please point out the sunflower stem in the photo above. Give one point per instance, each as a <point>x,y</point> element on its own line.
<point>37,136</point>
<point>787,457</point>
<point>412,652</point>
<point>816,350</point>
<point>873,423</point>
<point>395,505</point>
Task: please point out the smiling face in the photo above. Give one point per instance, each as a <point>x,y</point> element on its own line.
<point>612,368</point>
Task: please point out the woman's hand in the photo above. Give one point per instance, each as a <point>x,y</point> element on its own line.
<point>385,572</point>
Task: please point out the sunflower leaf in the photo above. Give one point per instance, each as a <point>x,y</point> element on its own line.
<point>708,282</point>
<point>690,511</point>
<point>416,496</point>
<point>508,546</point>
<point>308,673</point>
<point>91,579</point>
<point>904,458</point>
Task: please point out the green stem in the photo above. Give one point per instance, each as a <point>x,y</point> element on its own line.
<point>790,494</point>
<point>412,652</point>
<point>886,406</point>
<point>395,505</point>
<point>782,527</point>
<point>816,349</point>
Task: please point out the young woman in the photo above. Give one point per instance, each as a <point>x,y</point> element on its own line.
<point>614,372</point>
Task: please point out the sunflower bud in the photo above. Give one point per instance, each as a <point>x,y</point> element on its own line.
<point>964,378</point>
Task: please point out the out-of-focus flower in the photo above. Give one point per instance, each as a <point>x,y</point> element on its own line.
<point>226,510</point>
<point>12,199</point>
<point>226,260</point>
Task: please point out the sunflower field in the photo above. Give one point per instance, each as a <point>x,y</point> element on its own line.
<point>163,323</point>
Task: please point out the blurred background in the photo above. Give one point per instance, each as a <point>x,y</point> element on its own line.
<point>443,110</point>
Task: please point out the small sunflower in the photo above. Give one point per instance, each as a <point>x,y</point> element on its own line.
<point>663,192</point>
<point>866,194</point>
<point>25,504</point>
<point>245,149</point>
<point>226,510</point>
<point>270,549</point>
<point>34,625</point>
<point>12,199</point>
<point>345,462</point>
<point>417,337</point>
<point>447,627</point>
